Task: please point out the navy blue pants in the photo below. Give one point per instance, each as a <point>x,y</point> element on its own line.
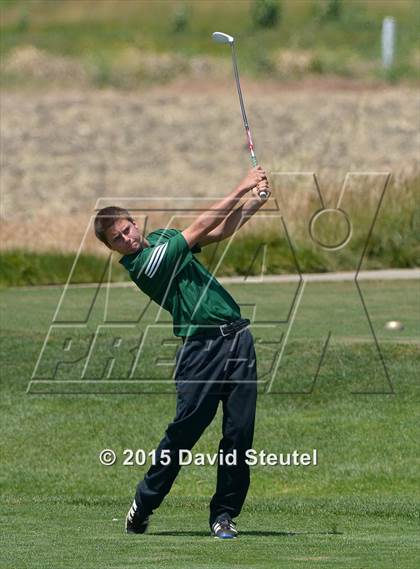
<point>209,371</point>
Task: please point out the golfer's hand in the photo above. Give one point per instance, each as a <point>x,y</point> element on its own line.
<point>262,186</point>
<point>254,176</point>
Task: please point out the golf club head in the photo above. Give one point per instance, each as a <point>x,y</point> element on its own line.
<point>220,37</point>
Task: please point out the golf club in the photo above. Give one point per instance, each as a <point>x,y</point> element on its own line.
<point>220,37</point>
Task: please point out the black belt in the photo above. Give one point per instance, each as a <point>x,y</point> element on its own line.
<point>223,330</point>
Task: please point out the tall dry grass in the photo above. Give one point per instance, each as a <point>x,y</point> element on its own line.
<point>385,231</point>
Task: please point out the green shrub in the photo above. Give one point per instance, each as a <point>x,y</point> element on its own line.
<point>265,13</point>
<point>100,71</point>
<point>329,10</point>
<point>180,19</point>
<point>23,22</point>
<point>263,62</point>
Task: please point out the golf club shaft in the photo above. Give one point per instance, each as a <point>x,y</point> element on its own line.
<point>244,117</point>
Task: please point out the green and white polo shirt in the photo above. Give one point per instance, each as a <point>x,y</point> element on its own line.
<point>170,274</point>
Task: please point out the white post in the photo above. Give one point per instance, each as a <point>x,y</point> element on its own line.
<point>388,42</point>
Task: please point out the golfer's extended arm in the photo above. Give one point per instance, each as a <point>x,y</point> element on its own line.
<point>234,220</point>
<point>212,217</point>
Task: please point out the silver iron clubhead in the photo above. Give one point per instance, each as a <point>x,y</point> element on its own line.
<point>220,37</point>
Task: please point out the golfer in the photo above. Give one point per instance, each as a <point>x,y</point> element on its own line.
<point>216,361</point>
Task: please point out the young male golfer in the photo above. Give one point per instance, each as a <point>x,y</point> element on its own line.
<point>217,359</point>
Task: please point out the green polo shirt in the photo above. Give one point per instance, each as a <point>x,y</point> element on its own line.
<point>170,274</point>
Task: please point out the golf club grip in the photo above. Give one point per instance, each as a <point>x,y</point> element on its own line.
<point>262,194</point>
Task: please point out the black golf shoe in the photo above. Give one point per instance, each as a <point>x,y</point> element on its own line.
<point>224,527</point>
<point>136,522</point>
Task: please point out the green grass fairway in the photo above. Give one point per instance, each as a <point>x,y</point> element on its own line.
<point>357,509</point>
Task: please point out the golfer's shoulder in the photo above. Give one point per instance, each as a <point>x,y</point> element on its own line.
<point>138,264</point>
<point>163,245</point>
<point>170,240</point>
<point>173,240</point>
<point>158,236</point>
<point>133,261</point>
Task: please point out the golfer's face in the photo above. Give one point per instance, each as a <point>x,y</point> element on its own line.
<point>124,236</point>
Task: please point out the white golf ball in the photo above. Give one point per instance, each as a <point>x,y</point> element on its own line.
<point>394,325</point>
